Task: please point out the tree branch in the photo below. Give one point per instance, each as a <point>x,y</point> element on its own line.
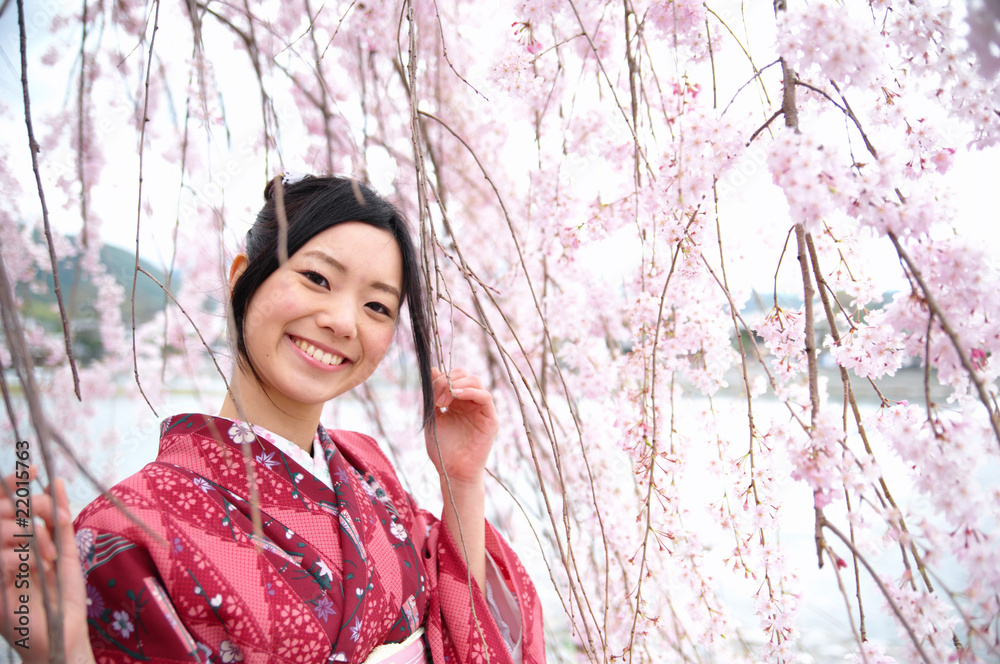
<point>936,310</point>
<point>34,149</point>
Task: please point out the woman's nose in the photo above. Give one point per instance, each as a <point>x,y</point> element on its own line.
<point>339,315</point>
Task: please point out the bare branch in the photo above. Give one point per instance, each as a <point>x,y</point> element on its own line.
<point>138,216</point>
<point>34,148</point>
<point>881,586</point>
<point>764,126</point>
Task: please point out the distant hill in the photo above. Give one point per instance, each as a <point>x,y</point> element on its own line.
<point>80,296</point>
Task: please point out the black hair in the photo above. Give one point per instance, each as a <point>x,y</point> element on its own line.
<point>312,205</point>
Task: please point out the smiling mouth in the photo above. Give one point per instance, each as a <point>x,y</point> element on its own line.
<point>328,359</point>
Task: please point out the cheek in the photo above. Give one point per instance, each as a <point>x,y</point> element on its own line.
<point>256,348</point>
<point>379,342</point>
<point>258,313</point>
<point>267,305</point>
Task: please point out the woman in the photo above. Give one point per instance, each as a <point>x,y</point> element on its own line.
<point>259,536</point>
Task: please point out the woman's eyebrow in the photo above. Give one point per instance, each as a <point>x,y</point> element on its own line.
<point>339,267</point>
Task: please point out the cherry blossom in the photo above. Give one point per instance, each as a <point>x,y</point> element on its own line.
<point>708,257</point>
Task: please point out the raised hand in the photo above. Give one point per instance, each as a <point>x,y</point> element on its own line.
<point>465,425</point>
<point>21,565</point>
<point>459,443</point>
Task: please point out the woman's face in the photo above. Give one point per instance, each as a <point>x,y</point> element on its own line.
<point>321,323</point>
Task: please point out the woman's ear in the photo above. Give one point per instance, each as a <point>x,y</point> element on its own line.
<point>239,264</point>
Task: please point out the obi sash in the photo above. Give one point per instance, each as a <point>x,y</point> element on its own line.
<point>410,651</point>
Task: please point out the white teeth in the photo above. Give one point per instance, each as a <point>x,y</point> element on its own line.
<point>317,354</point>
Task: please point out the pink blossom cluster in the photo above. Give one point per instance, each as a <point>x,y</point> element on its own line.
<point>537,13</point>
<point>777,620</point>
<point>812,176</point>
<point>863,289</point>
<point>708,147</point>
<point>984,36</point>
<point>945,454</point>
<point>682,24</point>
<point>676,329</point>
<point>961,280</point>
<point>783,331</point>
<point>927,150</point>
<point>828,41</point>
<point>871,349</point>
<point>871,652</point>
<point>932,50</point>
<point>929,618</point>
<point>819,460</point>
<point>514,75</point>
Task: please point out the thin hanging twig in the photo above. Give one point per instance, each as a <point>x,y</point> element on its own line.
<point>550,347</point>
<point>417,140</point>
<point>138,217</point>
<point>881,586</point>
<point>34,149</point>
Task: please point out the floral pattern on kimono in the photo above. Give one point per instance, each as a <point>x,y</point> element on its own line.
<point>181,567</point>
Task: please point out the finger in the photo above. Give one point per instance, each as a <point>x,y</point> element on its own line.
<point>11,481</point>
<point>442,391</point>
<point>16,537</point>
<point>37,504</point>
<point>9,489</point>
<point>446,395</point>
<point>20,522</point>
<point>471,403</point>
<point>442,398</point>
<point>464,382</point>
<point>454,381</point>
<point>37,537</point>
<point>57,519</point>
<point>28,554</point>
<point>11,560</point>
<point>30,520</point>
<point>65,535</point>
<point>45,543</point>
<point>458,385</point>
<point>476,395</point>
<point>450,375</point>
<point>457,374</point>
<point>70,574</point>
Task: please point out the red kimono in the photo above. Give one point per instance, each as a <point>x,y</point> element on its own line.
<point>332,574</point>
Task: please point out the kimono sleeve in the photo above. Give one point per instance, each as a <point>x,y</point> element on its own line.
<point>461,627</point>
<point>129,614</point>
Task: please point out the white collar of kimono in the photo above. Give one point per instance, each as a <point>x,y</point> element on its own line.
<point>314,463</point>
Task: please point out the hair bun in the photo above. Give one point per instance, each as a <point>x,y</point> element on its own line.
<point>269,188</point>
<point>288,178</point>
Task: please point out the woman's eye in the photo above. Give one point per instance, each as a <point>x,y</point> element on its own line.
<point>380,308</point>
<point>316,278</point>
